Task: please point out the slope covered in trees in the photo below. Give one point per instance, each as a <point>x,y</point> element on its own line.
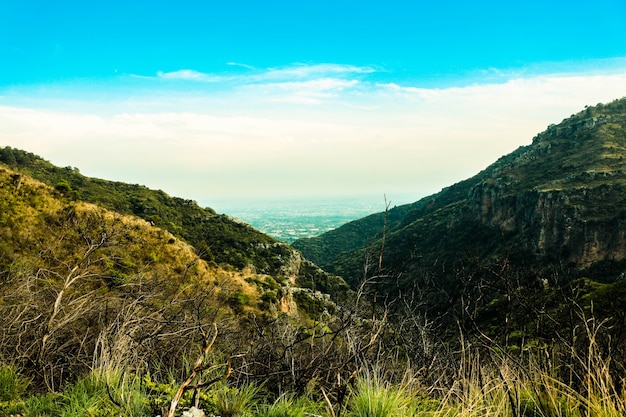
<point>89,292</point>
<point>521,253</point>
<point>217,238</point>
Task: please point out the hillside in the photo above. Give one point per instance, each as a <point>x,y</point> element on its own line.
<point>216,238</point>
<point>510,251</point>
<point>84,286</point>
<point>73,272</point>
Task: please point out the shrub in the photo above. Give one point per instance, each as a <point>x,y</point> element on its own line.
<point>237,300</point>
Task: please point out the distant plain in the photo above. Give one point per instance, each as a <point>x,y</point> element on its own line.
<point>291,219</point>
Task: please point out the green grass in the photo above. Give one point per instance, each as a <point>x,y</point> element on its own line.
<point>288,405</point>
<point>231,402</point>
<point>372,397</point>
<point>479,389</point>
<point>12,384</point>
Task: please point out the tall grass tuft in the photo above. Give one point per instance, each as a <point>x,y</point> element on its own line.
<point>12,384</point>
<point>288,405</point>
<point>504,387</point>
<point>104,393</point>
<point>373,398</point>
<point>44,405</point>
<point>84,398</point>
<point>124,391</point>
<point>231,402</point>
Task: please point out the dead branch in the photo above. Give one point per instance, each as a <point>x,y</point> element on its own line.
<point>198,367</point>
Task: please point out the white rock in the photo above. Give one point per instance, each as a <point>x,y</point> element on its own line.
<point>193,412</point>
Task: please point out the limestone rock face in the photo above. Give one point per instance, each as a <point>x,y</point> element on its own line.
<point>556,222</point>
<point>559,202</point>
<point>564,195</point>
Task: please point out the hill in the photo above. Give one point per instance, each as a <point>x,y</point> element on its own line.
<point>512,252</point>
<point>82,283</point>
<point>217,238</point>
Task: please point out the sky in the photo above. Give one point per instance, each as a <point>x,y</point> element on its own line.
<point>249,100</point>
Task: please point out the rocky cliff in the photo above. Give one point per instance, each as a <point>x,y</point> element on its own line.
<point>513,251</point>
<point>560,200</point>
<point>575,210</point>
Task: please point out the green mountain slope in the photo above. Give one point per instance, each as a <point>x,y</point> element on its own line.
<point>83,286</point>
<point>509,250</point>
<point>567,167</point>
<point>522,263</point>
<point>217,238</point>
<point>75,278</point>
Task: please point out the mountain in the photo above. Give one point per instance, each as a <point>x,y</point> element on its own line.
<point>100,273</point>
<point>509,252</point>
<point>217,238</point>
<point>522,264</point>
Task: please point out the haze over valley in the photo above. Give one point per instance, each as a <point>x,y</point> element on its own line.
<point>288,220</point>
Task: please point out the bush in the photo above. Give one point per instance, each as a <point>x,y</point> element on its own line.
<point>237,300</point>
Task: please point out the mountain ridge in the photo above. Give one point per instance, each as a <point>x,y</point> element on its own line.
<point>218,238</point>
<point>524,262</point>
<point>529,176</point>
<point>541,224</point>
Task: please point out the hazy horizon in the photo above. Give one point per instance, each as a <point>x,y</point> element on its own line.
<point>377,202</point>
<point>291,219</point>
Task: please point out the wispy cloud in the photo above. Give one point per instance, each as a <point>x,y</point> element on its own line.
<point>298,83</point>
<point>315,91</point>
<point>331,127</point>
<point>190,75</point>
<point>259,75</point>
<point>239,64</point>
<point>304,71</point>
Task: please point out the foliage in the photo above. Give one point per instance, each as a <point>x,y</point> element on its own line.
<point>288,405</point>
<point>450,312</point>
<point>483,383</point>
<point>502,252</point>
<point>218,238</point>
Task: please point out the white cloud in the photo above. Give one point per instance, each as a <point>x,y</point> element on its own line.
<point>265,137</point>
<point>299,72</point>
<point>304,92</point>
<point>189,75</point>
<point>239,64</point>
<point>318,70</point>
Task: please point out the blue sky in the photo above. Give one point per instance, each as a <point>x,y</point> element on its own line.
<point>229,100</point>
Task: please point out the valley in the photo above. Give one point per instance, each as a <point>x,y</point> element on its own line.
<point>288,220</point>
<point>500,295</point>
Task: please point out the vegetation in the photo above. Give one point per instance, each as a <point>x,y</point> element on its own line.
<point>497,386</point>
<point>534,232</point>
<point>502,295</point>
<point>217,238</point>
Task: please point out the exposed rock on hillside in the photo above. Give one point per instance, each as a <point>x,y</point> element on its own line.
<point>540,230</point>
<point>559,198</point>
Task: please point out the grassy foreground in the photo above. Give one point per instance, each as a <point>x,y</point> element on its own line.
<point>487,385</point>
